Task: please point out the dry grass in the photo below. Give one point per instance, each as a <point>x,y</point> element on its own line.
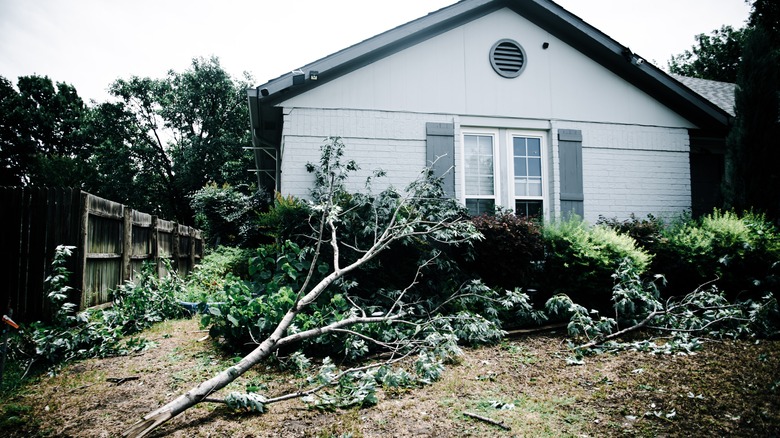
<point>728,389</point>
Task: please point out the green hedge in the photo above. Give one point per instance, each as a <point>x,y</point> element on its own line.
<point>580,261</point>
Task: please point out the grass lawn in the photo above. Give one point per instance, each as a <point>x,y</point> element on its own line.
<point>729,388</point>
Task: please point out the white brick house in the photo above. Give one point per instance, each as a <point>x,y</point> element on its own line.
<point>527,107</point>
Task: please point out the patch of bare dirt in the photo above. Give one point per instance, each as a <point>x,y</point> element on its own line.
<point>727,389</point>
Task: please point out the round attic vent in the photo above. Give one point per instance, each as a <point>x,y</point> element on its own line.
<point>507,58</point>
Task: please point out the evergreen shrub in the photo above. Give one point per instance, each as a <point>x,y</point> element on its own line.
<point>206,281</point>
<point>647,232</point>
<point>741,253</point>
<point>288,218</point>
<point>228,214</point>
<point>580,261</point>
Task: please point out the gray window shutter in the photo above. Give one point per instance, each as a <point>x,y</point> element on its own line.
<point>570,152</point>
<point>440,153</point>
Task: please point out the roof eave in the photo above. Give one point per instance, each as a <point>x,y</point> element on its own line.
<point>623,62</point>
<point>553,18</point>
<point>374,49</point>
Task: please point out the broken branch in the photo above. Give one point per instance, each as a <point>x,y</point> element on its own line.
<point>487,420</point>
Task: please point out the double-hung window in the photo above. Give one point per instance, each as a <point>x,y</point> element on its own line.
<point>527,175</point>
<point>480,172</point>
<point>504,168</point>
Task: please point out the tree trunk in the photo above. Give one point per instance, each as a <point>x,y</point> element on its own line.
<point>203,390</point>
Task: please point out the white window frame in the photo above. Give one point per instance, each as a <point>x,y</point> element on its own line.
<point>503,166</point>
<point>510,160</point>
<point>496,158</point>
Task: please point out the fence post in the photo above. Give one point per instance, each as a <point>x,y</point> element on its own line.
<point>127,243</point>
<point>155,246</point>
<point>83,243</point>
<point>193,245</point>
<point>176,250</point>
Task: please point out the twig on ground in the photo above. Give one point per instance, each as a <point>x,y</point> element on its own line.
<point>487,420</point>
<point>121,380</point>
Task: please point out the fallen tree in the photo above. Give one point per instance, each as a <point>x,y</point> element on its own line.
<point>420,212</point>
<point>703,312</point>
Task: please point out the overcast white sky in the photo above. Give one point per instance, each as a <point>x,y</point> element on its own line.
<point>90,43</point>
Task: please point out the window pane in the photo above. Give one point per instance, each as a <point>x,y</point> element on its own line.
<point>485,185</point>
<point>519,146</point>
<point>472,185</point>
<point>478,150</point>
<point>521,187</point>
<point>535,188</point>
<point>520,167</point>
<point>480,206</point>
<point>534,167</point>
<point>534,147</point>
<point>486,146</point>
<point>470,145</point>
<point>472,162</point>
<point>486,164</point>
<point>528,208</point>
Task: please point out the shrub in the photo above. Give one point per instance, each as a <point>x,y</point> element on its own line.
<point>580,261</point>
<point>206,282</point>
<point>648,233</point>
<point>287,219</point>
<point>253,308</point>
<point>139,304</point>
<point>741,252</point>
<point>510,251</point>
<point>96,333</point>
<point>228,214</point>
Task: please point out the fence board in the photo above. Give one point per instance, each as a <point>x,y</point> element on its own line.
<point>112,242</point>
<point>36,262</point>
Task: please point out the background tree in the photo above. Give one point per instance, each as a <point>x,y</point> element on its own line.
<point>43,142</point>
<point>153,147</point>
<point>751,178</point>
<point>115,169</point>
<point>188,130</point>
<point>766,14</point>
<point>15,151</point>
<point>715,57</point>
<point>749,57</point>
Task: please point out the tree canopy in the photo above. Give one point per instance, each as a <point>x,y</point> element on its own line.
<point>750,58</point>
<point>751,178</point>
<point>715,57</point>
<point>152,146</point>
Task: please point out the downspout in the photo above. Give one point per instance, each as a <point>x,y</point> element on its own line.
<point>254,136</point>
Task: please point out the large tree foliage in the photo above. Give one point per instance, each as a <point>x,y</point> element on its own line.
<point>750,58</point>
<point>155,145</point>
<point>15,152</point>
<point>715,57</point>
<point>42,139</point>
<point>188,130</point>
<point>751,178</point>
<point>766,14</point>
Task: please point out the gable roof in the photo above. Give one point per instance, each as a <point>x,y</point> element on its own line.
<point>544,13</point>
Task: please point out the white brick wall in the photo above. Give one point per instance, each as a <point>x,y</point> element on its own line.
<point>634,169</point>
<point>391,141</point>
<point>627,168</point>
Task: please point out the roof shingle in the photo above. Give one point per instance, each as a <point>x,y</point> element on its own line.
<point>719,93</point>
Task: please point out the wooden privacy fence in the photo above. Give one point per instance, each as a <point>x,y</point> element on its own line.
<point>112,242</point>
